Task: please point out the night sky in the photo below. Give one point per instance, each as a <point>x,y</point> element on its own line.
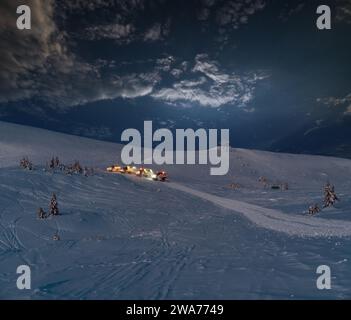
<point>258,67</point>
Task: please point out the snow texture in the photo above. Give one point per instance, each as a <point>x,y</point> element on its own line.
<point>123,237</point>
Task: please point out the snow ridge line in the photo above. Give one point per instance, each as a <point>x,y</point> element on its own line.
<point>273,219</point>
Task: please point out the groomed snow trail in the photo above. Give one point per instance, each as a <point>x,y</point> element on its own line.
<point>293,225</point>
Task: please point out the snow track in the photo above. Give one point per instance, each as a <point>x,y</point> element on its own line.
<point>122,237</point>
<point>9,240</point>
<point>275,220</point>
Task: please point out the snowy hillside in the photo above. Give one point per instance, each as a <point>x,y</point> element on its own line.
<point>39,145</point>
<point>199,236</point>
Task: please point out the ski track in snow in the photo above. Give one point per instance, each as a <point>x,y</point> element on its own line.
<point>122,240</point>
<point>274,219</point>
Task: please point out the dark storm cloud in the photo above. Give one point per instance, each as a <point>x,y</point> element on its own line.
<point>39,63</point>
<point>119,32</point>
<point>230,13</point>
<point>235,13</point>
<point>25,52</point>
<point>46,63</point>
<point>341,103</point>
<point>124,6</point>
<point>122,28</point>
<point>126,33</point>
<point>343,13</point>
<point>227,16</point>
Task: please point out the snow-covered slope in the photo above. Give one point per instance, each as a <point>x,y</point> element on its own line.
<point>195,237</point>
<point>40,145</point>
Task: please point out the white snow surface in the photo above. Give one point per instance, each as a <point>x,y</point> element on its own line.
<point>122,237</point>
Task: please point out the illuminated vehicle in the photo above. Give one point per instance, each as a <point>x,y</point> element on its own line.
<point>129,170</point>
<point>115,169</point>
<point>141,172</point>
<point>119,169</point>
<point>146,173</point>
<point>149,173</point>
<point>161,176</point>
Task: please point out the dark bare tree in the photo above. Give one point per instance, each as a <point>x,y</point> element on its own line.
<point>41,213</point>
<point>330,196</point>
<point>54,206</point>
<point>314,209</point>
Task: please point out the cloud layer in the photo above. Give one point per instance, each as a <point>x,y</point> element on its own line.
<point>208,86</point>
<point>47,62</point>
<point>333,102</point>
<point>28,52</point>
<point>41,63</point>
